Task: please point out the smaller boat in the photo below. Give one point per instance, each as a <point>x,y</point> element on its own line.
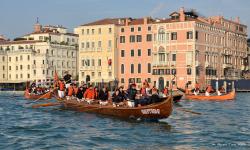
<point>153,111</point>
<point>229,96</point>
<point>30,96</point>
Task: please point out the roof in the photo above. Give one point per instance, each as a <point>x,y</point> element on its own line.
<point>105,21</point>
<point>19,42</point>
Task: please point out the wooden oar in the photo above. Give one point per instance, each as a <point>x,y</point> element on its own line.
<point>189,111</point>
<point>45,105</point>
<point>42,96</point>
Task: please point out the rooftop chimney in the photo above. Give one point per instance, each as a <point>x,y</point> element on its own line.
<point>37,26</point>
<point>182,15</point>
<point>145,20</point>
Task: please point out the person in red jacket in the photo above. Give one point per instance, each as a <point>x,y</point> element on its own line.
<point>90,93</point>
<point>70,90</point>
<point>61,89</point>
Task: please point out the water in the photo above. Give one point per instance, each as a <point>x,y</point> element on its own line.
<point>222,125</point>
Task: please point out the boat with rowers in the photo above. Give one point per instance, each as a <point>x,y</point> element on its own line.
<point>158,110</point>
<point>229,96</point>
<point>33,96</point>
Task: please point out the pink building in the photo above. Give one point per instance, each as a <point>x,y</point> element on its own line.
<point>189,48</point>
<point>135,51</point>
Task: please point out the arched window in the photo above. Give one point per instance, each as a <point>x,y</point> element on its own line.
<point>161,34</point>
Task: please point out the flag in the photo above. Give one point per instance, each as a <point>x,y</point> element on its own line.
<point>56,78</point>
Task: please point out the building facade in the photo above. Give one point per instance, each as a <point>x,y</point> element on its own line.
<point>135,51</point>
<point>189,49</point>
<point>37,55</point>
<point>98,51</point>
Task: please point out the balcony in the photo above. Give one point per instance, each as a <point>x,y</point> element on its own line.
<point>86,68</point>
<point>160,64</point>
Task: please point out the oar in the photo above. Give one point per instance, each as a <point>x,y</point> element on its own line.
<point>189,111</point>
<point>42,96</point>
<point>45,105</point>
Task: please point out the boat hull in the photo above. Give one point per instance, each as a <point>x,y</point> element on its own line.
<point>229,96</point>
<point>154,111</point>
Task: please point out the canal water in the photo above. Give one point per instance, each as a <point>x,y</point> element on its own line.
<point>221,125</point>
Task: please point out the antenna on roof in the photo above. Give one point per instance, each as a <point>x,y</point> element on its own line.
<point>37,20</point>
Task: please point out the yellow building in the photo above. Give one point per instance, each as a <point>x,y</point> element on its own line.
<point>98,51</point>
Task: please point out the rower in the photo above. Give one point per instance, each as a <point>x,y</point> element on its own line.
<point>89,94</point>
<point>67,79</point>
<point>221,90</point>
<point>196,88</point>
<point>209,89</point>
<point>103,96</point>
<point>61,89</point>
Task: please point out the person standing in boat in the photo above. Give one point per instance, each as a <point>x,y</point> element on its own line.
<point>221,90</point>
<point>70,91</point>
<point>165,91</point>
<point>67,79</point>
<point>61,89</point>
<point>209,89</point>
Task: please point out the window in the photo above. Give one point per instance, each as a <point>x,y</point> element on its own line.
<point>82,31</point>
<point>149,68</point>
<point>21,67</point>
<point>9,59</point>
<point>110,74</point>
<point>16,76</point>
<point>132,68</point>
<point>110,43</point>
<point>139,68</point>
<point>173,71</point>
<point>162,57</point>
<point>82,74</point>
<point>34,62</point>
<point>122,80</point>
<point>87,45</point>
<point>92,74</point>
<point>196,35</point>
<point>149,37</point>
<point>93,62</point>
<point>138,38</point>
<point>138,80</point>
<point>99,31</point>
<point>189,71</point>
<point>3,75</point>
<point>21,58</point>
<point>149,52</point>
<point>161,35</point>
<point>132,29</point>
<point>43,71</point>
<point>110,30</point>
<point>3,58</point>
<point>99,43</point>
<point>9,67</point>
<point>149,28</point>
<point>122,68</point>
<point>173,57</point>
<point>34,72</point>
<point>174,36</point>
<point>132,38</point>
<point>16,67</point>
<point>10,76</point>
<point>149,80</point>
<point>122,39</point>
<point>132,53</point>
<point>3,67</point>
<point>99,74</point>
<point>122,53</point>
<point>139,52</point>
<point>28,57</point>
<point>99,62</point>
<point>189,35</point>
<point>139,28</point>
<point>93,44</point>
<point>87,31</point>
<point>82,45</point>
<point>28,67</point>
<point>93,31</point>
<point>122,29</point>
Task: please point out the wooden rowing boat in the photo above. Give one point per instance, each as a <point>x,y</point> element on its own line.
<point>153,111</point>
<point>229,96</point>
<point>29,96</point>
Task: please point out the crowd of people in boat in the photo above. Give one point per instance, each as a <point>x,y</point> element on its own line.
<point>208,91</point>
<point>132,96</point>
<point>38,88</point>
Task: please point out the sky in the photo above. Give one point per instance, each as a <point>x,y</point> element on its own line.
<point>17,17</point>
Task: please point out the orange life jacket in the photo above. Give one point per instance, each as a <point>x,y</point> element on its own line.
<point>90,94</point>
<point>61,86</point>
<point>70,91</point>
<point>75,90</point>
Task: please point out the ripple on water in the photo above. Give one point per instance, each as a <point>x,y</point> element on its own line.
<point>22,127</point>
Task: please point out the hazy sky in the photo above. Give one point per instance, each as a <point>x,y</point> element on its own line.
<point>17,17</point>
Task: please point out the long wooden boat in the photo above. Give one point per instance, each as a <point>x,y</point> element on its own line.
<point>229,96</point>
<point>153,111</point>
<point>29,96</point>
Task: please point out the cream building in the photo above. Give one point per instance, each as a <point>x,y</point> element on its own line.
<point>35,56</point>
<point>98,51</point>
